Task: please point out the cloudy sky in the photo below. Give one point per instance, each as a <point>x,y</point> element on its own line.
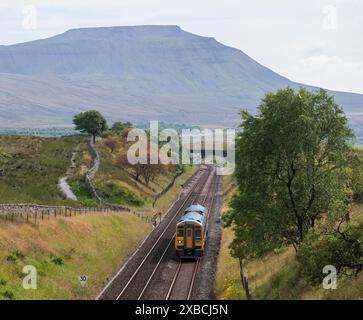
<point>318,42</point>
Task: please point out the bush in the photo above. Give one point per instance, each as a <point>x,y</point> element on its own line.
<point>11,258</point>
<point>57,261</point>
<point>319,250</point>
<point>8,294</point>
<point>112,143</point>
<point>19,254</point>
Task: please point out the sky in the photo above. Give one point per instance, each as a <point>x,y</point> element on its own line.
<point>316,42</point>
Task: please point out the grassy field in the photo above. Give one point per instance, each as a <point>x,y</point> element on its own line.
<point>276,276</point>
<point>64,248</point>
<point>30,168</point>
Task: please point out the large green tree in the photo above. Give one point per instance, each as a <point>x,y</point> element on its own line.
<point>91,122</point>
<point>290,170</point>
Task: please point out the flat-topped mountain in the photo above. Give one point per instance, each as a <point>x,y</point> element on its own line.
<point>134,73</point>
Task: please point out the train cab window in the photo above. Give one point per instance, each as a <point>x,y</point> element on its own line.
<point>180,232</point>
<point>189,232</point>
<point>198,234</point>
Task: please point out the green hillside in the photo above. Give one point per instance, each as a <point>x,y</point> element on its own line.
<point>30,168</point>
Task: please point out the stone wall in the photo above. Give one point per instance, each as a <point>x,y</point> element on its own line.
<point>168,187</point>
<point>9,211</point>
<point>95,164</point>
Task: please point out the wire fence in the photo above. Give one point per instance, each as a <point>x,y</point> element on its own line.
<point>154,219</point>
<point>34,212</point>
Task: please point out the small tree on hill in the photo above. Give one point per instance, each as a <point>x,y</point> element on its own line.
<point>119,126</point>
<point>91,122</point>
<point>146,171</point>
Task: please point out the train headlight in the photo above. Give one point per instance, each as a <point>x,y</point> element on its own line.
<point>180,241</point>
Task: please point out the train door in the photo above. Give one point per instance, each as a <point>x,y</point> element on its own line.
<point>189,238</point>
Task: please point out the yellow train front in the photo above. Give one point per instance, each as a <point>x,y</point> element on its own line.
<point>191,233</point>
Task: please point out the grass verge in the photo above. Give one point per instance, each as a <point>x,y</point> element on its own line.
<point>64,248</point>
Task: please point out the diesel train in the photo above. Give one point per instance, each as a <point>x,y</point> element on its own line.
<point>191,232</point>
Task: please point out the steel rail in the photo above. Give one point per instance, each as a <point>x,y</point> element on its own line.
<point>190,290</point>
<point>171,242</point>
<point>189,196</point>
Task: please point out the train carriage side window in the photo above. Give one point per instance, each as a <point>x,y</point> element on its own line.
<point>180,232</point>
<point>198,234</point>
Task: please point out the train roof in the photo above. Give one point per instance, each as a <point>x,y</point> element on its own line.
<point>195,217</point>
<point>196,208</point>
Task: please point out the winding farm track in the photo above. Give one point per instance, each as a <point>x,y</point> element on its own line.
<point>63,183</point>
<point>149,273</point>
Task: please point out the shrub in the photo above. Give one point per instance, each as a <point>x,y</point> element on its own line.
<point>57,261</point>
<point>8,294</point>
<point>11,258</point>
<point>319,250</point>
<point>19,254</point>
<point>112,143</point>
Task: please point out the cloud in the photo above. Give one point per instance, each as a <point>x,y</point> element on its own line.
<point>333,71</point>
<point>321,61</point>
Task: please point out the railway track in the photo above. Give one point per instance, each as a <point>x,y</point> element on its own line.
<point>131,280</point>
<point>158,285</point>
<point>186,272</point>
<point>181,287</point>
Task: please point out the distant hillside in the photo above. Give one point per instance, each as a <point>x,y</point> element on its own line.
<point>134,73</point>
